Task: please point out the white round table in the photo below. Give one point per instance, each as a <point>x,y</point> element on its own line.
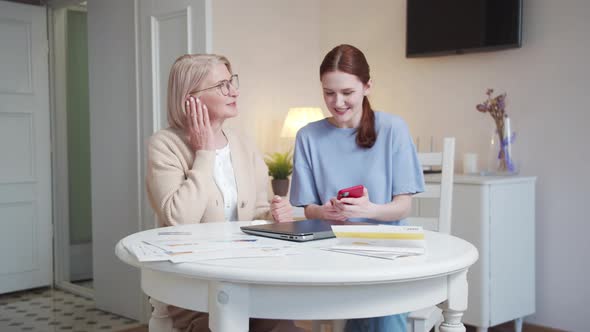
<point>315,284</point>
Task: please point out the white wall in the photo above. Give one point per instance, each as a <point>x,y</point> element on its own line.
<point>274,47</point>
<point>547,81</point>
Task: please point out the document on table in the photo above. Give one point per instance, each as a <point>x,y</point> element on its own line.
<point>251,252</point>
<point>148,253</point>
<point>381,241</point>
<point>180,247</point>
<point>187,244</point>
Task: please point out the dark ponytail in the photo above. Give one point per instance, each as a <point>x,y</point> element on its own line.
<point>366,134</point>
<point>351,60</point>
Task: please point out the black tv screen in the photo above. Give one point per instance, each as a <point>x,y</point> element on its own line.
<point>439,27</point>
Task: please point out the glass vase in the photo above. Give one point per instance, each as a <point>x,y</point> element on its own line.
<point>501,159</point>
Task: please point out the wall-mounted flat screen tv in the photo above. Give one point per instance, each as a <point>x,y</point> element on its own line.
<point>440,27</point>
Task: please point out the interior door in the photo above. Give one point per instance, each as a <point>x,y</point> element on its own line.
<point>169,29</point>
<point>25,171</point>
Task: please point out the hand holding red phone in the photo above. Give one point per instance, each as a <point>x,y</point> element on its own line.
<point>198,128</point>
<point>354,202</point>
<point>330,212</point>
<point>352,192</point>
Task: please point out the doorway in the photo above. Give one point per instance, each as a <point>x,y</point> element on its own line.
<point>71,146</point>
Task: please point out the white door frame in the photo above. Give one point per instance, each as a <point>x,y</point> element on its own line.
<point>58,105</point>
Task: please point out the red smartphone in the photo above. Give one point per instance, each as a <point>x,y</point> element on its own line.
<point>354,192</point>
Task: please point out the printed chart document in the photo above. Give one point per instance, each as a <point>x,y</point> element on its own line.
<point>181,247</point>
<point>381,241</point>
<point>148,253</point>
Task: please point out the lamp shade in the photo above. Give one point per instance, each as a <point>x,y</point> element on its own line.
<point>299,117</point>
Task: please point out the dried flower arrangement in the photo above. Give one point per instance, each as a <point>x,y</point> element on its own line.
<point>496,106</point>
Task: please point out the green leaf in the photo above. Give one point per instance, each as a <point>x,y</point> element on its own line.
<point>280,165</point>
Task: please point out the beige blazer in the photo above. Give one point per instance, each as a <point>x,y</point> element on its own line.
<point>180,184</point>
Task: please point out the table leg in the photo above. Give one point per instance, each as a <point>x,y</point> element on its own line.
<point>160,321</point>
<point>518,324</point>
<point>228,307</point>
<point>456,303</point>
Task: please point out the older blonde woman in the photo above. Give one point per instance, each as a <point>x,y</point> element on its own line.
<point>199,172</point>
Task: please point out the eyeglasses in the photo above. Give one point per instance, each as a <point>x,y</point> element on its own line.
<point>223,86</point>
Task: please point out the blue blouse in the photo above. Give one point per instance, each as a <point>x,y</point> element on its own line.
<point>328,159</point>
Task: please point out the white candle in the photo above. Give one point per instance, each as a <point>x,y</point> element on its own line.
<point>469,163</point>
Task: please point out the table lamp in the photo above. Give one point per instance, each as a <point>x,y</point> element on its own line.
<point>279,164</point>
<point>299,117</point>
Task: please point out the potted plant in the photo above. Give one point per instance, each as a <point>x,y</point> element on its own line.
<point>280,166</point>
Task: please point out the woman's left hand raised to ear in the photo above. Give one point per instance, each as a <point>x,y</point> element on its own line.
<point>198,128</point>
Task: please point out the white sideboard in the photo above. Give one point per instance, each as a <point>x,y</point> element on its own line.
<point>497,215</point>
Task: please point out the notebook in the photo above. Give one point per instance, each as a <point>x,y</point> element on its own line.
<point>299,231</point>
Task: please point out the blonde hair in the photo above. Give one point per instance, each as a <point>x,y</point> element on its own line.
<point>186,75</point>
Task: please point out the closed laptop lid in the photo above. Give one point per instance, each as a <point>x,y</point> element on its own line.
<point>304,230</point>
<point>302,227</point>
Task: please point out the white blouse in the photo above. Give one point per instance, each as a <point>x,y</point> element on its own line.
<point>226,182</point>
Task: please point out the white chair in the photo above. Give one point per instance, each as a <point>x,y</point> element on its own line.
<point>425,319</point>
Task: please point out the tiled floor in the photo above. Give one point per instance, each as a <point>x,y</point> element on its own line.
<point>52,310</point>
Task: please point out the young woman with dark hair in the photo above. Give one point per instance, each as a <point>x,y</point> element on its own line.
<point>349,59</point>
<point>356,145</point>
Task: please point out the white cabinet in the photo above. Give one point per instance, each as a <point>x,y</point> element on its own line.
<point>497,215</point>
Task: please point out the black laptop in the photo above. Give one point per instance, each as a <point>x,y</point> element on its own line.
<point>299,231</point>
